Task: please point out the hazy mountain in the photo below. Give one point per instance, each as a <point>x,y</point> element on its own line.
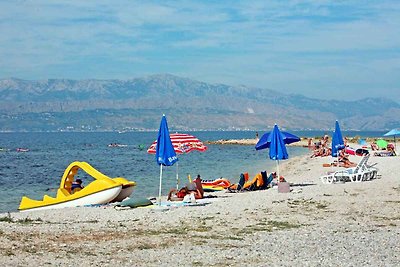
<point>59,104</point>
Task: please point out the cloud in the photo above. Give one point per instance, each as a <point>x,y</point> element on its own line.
<point>296,46</point>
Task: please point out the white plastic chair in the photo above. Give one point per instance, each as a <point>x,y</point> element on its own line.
<point>362,172</point>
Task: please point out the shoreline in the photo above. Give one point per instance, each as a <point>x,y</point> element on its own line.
<point>353,224</point>
<point>251,141</point>
<point>353,141</point>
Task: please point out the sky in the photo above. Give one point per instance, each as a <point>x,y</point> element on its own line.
<point>321,49</point>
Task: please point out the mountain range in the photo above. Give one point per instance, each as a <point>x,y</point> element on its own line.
<point>137,104</point>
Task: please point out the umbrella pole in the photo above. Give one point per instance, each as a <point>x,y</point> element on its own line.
<point>159,191</point>
<point>277,171</point>
<point>177,176</point>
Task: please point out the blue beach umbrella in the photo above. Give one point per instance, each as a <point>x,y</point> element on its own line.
<point>265,140</point>
<point>337,140</point>
<point>393,133</point>
<point>276,142</point>
<point>362,142</point>
<point>165,153</point>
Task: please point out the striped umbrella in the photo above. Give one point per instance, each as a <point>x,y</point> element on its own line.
<point>182,143</point>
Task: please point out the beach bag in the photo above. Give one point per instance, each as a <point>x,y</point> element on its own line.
<point>135,202</point>
<point>283,187</point>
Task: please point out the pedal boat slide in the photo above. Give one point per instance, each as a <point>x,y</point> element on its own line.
<point>101,191</point>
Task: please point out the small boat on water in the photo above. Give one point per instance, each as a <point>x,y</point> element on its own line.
<point>101,191</point>
<point>116,145</point>
<point>20,149</point>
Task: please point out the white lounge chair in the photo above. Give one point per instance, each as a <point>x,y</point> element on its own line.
<point>362,172</point>
<point>370,171</point>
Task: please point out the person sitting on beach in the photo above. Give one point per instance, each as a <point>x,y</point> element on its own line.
<point>76,186</point>
<point>374,146</point>
<point>344,160</point>
<point>391,150</point>
<point>311,146</point>
<point>327,152</point>
<point>318,152</point>
<point>199,186</point>
<point>275,179</point>
<point>325,140</point>
<point>346,142</point>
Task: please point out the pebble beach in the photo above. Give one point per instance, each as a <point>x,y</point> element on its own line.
<point>316,224</point>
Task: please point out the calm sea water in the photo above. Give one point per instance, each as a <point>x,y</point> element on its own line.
<point>39,170</point>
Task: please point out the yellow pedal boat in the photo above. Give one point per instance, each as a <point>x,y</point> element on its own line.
<point>102,190</point>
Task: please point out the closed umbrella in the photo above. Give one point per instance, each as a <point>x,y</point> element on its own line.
<point>337,140</point>
<point>165,153</point>
<point>182,143</point>
<point>276,142</point>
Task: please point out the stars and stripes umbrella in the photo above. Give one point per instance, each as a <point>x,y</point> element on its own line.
<point>182,143</point>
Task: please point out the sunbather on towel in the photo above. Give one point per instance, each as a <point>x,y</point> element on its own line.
<point>192,188</point>
<point>389,153</point>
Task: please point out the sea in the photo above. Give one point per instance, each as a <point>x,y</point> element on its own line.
<point>38,171</point>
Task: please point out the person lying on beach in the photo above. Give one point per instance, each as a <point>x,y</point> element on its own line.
<point>179,195</point>
<point>389,153</point>
<point>194,187</point>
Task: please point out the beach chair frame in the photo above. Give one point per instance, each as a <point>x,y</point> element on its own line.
<point>362,172</point>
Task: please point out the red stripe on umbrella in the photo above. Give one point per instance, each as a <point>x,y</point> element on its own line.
<point>183,143</point>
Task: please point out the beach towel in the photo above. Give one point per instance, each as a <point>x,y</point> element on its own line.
<point>350,151</point>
